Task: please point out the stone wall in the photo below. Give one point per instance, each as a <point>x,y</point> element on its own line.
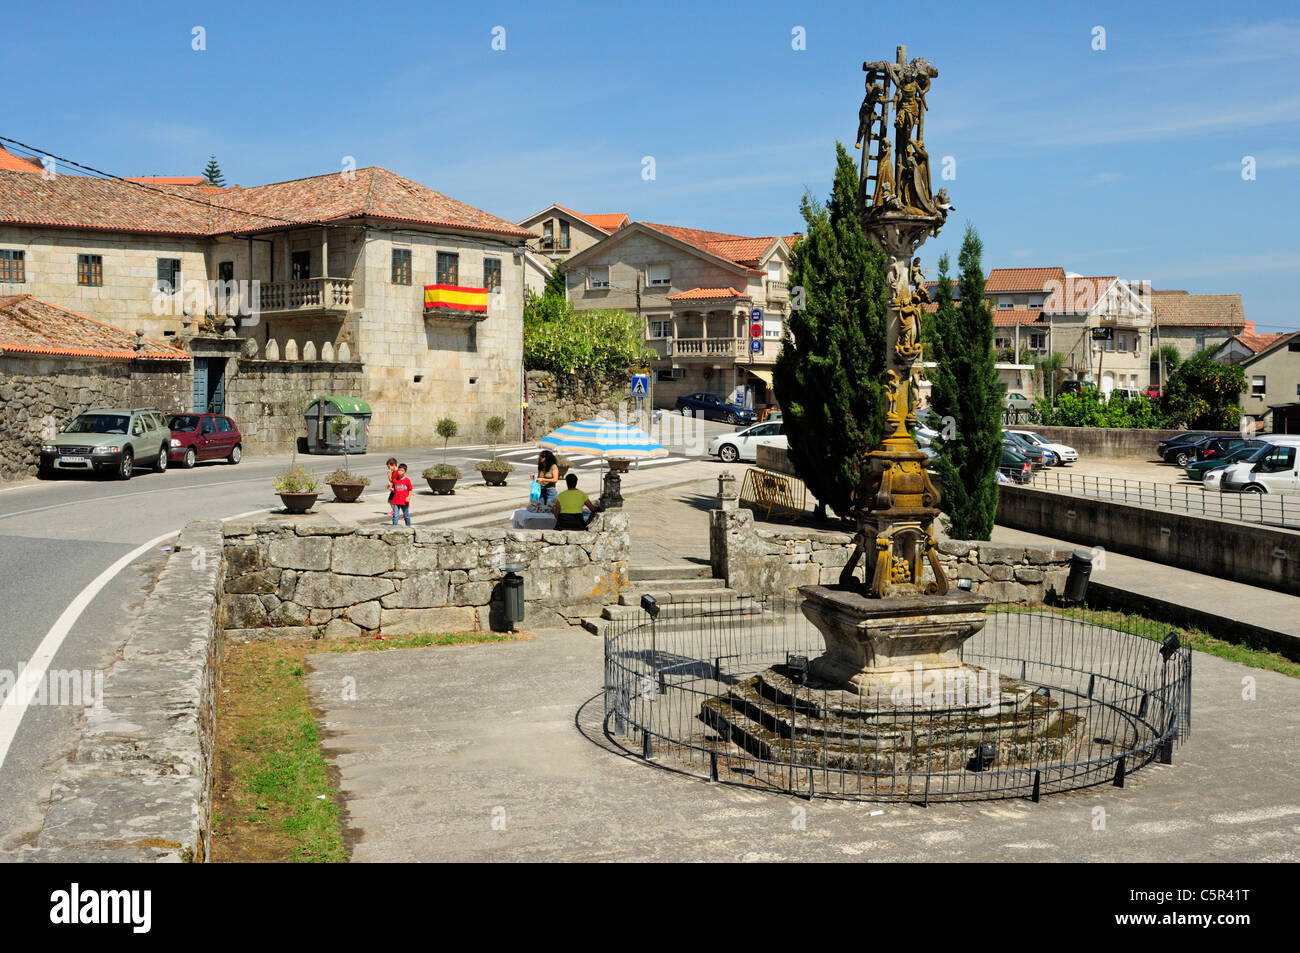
<point>1108,442</point>
<point>256,391</point>
<point>291,580</point>
<point>32,389</point>
<point>1222,549</point>
<point>555,400</point>
<point>139,785</point>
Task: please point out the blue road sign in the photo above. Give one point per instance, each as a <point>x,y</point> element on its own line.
<point>756,314</point>
<point>640,385</point>
<point>756,346</point>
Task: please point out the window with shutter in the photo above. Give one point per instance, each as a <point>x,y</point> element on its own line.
<point>448,269</point>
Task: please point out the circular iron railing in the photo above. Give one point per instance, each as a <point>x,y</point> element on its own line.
<point>1068,701</point>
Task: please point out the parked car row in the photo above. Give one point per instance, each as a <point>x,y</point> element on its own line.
<point>714,407</point>
<point>1272,467</point>
<point>116,440</point>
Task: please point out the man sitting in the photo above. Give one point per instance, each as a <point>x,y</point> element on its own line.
<point>570,504</point>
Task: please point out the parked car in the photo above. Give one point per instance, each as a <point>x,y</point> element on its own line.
<point>198,437</point>
<point>1064,454</point>
<point>1168,448</point>
<point>1075,387</point>
<point>1273,468</point>
<point>1155,392</point>
<point>1038,456</point>
<point>1128,393</point>
<point>1017,402</point>
<point>1200,469</point>
<point>1015,466</point>
<point>713,407</point>
<point>744,444</point>
<point>109,439</point>
<point>1216,448</point>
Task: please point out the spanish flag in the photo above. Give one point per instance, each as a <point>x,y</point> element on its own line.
<point>455,298</point>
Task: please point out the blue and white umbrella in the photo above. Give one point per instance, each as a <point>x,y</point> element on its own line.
<point>602,438</point>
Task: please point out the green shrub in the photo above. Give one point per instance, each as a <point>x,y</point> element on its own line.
<point>495,466</point>
<point>344,475</point>
<point>296,479</point>
<point>441,471</point>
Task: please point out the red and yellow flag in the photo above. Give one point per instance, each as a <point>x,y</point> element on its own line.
<point>455,298</point>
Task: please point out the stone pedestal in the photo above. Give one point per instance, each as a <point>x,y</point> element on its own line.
<point>869,641</point>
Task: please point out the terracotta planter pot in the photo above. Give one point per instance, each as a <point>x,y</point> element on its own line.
<point>443,485</point>
<point>495,477</point>
<point>347,492</point>
<point>298,502</point>
<point>619,466</point>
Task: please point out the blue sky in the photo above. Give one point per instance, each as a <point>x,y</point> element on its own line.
<point>1125,161</point>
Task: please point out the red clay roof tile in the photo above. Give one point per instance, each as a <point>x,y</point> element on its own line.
<point>29,326</point>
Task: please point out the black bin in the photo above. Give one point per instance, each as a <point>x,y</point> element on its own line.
<point>1076,584</point>
<point>512,595</point>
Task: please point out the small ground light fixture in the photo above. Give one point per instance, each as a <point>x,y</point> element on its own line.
<point>985,754</point>
<point>1170,645</point>
<point>798,667</point>
<point>649,604</point>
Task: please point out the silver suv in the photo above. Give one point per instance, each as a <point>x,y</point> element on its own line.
<point>109,439</point>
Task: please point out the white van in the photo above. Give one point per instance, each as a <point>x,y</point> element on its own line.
<point>1275,468</point>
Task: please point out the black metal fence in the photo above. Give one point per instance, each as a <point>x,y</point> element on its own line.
<point>1051,700</point>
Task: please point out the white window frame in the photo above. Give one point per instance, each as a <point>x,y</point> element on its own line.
<point>1261,389</point>
<point>665,325</point>
<point>598,284</point>
<point>774,263</point>
<point>652,282</point>
<point>1042,340</point>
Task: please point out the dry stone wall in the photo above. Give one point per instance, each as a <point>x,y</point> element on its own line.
<point>256,396</point>
<point>294,580</point>
<point>555,400</point>
<point>762,563</point>
<point>32,390</point>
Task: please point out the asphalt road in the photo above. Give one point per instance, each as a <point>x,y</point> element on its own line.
<point>57,536</point>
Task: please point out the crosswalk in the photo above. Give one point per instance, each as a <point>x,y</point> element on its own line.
<point>526,456</point>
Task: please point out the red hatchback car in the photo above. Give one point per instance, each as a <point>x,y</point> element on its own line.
<point>198,437</point>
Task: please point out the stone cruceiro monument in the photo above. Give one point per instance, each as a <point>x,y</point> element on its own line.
<point>891,693</point>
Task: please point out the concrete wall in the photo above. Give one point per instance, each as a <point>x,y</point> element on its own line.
<point>1243,552</point>
<point>285,579</point>
<point>1106,441</point>
<point>34,389</point>
<point>138,787</point>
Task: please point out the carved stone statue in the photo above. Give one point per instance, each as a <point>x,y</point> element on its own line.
<point>908,347</point>
<point>917,278</point>
<point>886,195</point>
<point>866,113</point>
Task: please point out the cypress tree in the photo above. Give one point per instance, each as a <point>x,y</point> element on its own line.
<point>828,374</point>
<point>213,173</point>
<point>966,388</point>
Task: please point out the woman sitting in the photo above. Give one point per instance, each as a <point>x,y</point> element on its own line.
<point>570,504</point>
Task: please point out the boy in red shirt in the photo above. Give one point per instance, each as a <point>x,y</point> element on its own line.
<point>402,489</point>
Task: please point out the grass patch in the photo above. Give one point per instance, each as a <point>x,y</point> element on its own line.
<point>270,772</point>
<point>1156,630</point>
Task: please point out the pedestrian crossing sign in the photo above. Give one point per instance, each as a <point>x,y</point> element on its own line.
<point>640,385</point>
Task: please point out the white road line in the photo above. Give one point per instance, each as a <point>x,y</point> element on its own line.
<point>12,711</point>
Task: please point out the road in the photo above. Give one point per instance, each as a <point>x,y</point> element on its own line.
<point>58,536</point>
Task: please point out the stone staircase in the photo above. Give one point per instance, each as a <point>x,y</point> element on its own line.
<point>679,590</point>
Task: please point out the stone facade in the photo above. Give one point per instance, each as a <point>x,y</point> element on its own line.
<point>285,579</point>
<point>764,563</point>
<point>255,392</point>
<point>33,389</point>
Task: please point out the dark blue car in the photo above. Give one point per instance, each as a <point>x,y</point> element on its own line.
<point>713,407</point>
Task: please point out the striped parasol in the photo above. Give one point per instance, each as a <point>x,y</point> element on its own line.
<point>602,438</point>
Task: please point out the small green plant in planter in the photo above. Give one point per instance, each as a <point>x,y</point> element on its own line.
<point>347,486</point>
<point>563,463</point>
<point>494,471</point>
<point>495,426</point>
<point>298,488</point>
<point>442,478</point>
<point>447,428</point>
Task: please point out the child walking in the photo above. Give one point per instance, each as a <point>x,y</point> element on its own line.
<point>392,466</point>
<point>402,490</point>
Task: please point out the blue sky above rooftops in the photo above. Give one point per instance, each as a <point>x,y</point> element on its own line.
<point>1124,161</point>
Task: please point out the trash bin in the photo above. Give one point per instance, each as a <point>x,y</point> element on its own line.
<point>1076,584</point>
<point>337,425</point>
<point>512,593</point>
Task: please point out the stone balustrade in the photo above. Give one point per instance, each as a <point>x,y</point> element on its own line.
<point>307,294</point>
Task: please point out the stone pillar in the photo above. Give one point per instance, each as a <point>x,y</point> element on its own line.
<point>728,494</point>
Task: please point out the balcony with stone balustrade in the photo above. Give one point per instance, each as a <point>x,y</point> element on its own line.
<point>306,296</point>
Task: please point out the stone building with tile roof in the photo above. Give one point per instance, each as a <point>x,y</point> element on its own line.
<point>324,270</point>
<point>694,291</point>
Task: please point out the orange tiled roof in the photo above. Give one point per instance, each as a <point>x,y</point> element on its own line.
<point>29,326</point>
<point>1258,342</point>
<point>708,293</point>
<point>742,249</point>
<point>76,201</point>
<point>1013,316</point>
<point>1077,292</point>
<point>607,222</point>
<point>1004,280</point>
<point>1180,308</point>
<point>167,179</point>
<point>13,163</point>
